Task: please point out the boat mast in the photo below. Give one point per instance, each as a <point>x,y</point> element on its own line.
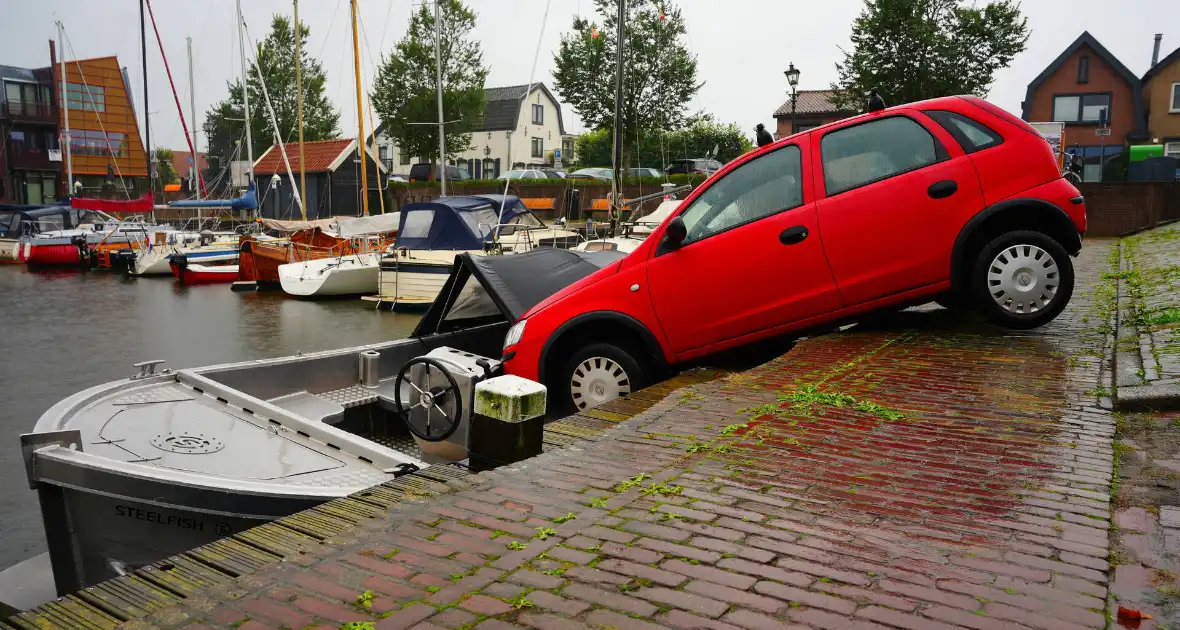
<point>246,94</point>
<point>147,126</point>
<point>274,123</point>
<point>617,152</point>
<point>192,103</point>
<point>442,139</point>
<point>65,108</point>
<point>360,117</point>
<point>172,84</point>
<point>299,107</point>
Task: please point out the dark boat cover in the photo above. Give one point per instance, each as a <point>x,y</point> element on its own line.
<point>459,223</point>
<point>486,289</point>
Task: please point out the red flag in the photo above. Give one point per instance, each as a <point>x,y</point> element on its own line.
<point>663,17</point>
<point>593,31</point>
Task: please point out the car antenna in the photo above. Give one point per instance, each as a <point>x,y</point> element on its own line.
<point>876,103</point>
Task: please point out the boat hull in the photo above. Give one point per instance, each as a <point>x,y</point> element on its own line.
<point>411,280</point>
<point>192,273</point>
<point>328,277</point>
<point>54,253</point>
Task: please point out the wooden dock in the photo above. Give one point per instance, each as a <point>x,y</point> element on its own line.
<point>174,579</point>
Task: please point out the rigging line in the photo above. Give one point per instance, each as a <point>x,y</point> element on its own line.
<point>385,27</point>
<point>523,99</point>
<point>94,108</point>
<point>171,83</point>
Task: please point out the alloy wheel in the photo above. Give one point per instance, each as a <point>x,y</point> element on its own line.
<point>1023,279</point>
<point>598,380</point>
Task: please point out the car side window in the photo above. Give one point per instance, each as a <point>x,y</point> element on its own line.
<point>971,134</point>
<point>876,150</point>
<point>764,186</point>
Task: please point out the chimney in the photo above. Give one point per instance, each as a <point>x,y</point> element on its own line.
<point>1155,53</point>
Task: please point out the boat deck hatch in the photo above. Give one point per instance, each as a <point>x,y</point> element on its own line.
<point>170,427</point>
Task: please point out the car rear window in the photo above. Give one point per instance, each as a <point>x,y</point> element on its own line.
<point>971,134</point>
<point>1000,113</point>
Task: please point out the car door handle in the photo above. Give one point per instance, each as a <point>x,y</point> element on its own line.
<point>793,235</point>
<point>945,188</point>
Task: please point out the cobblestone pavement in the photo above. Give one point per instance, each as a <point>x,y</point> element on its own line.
<point>928,472</point>
<point>1150,344</point>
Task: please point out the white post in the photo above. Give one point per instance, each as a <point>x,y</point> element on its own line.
<point>65,109</point>
<point>442,140</point>
<point>192,96</point>
<point>245,93</point>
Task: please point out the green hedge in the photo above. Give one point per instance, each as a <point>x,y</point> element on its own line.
<point>529,183</point>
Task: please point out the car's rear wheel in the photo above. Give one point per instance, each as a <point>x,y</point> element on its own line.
<point>597,374</point>
<point>1022,280</point>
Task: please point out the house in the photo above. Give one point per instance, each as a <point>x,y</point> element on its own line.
<point>332,172</point>
<point>515,132</point>
<point>106,148</point>
<point>812,109</point>
<point>182,165</point>
<point>1084,86</point>
<point>30,162</point>
<point>1161,97</point>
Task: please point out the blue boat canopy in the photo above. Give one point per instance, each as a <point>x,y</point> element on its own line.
<point>248,201</point>
<point>461,223</point>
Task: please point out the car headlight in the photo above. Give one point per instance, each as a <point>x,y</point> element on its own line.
<point>515,333</point>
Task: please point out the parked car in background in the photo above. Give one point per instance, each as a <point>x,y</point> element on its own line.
<point>525,173</point>
<point>951,199</point>
<point>553,173</point>
<point>644,172</point>
<point>422,172</point>
<point>591,173</point>
<point>700,166</point>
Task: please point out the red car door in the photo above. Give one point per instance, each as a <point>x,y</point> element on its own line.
<point>752,258</point>
<point>896,192</point>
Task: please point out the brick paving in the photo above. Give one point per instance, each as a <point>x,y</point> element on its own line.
<point>1150,339</point>
<point>927,472</point>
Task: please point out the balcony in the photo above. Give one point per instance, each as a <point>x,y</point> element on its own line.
<point>28,111</point>
<point>23,158</point>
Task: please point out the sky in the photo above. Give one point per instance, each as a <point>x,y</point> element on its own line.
<point>742,46</point>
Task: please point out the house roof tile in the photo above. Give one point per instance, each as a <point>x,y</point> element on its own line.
<point>320,156</point>
<point>810,102</point>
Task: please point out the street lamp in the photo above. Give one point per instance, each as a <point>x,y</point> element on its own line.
<point>792,75</point>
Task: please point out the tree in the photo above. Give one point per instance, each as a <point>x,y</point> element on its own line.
<point>276,64</point>
<point>658,149</point>
<point>404,91</point>
<point>909,50</point>
<point>165,172</point>
<point>659,73</point>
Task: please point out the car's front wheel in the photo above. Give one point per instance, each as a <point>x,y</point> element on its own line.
<point>1022,280</point>
<point>597,374</point>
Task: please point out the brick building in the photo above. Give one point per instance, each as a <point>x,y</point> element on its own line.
<point>1161,97</point>
<point>1084,85</point>
<point>812,109</point>
<point>30,162</point>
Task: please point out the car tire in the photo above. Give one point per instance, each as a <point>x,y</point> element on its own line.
<point>596,374</point>
<point>1022,280</point>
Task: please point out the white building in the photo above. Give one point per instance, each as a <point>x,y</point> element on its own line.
<point>510,136</point>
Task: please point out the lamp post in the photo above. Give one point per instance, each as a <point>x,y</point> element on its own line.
<point>792,75</point>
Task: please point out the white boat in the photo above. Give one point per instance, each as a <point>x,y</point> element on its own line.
<point>153,260</point>
<point>355,274</point>
<point>350,274</point>
<point>433,233</point>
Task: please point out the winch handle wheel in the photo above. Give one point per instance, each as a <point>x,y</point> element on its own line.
<point>428,400</point>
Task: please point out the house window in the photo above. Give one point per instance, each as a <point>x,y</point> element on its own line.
<point>1175,104</point>
<point>538,114</point>
<point>382,152</point>
<point>1172,149</point>
<point>1096,160</point>
<point>405,157</point>
<point>1084,69</point>
<point>87,97</point>
<point>538,147</point>
<point>1080,108</point>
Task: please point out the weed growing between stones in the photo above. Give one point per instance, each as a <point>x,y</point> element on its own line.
<point>365,600</point>
<point>358,625</point>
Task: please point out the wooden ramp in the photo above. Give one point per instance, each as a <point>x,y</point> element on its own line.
<point>171,580</point>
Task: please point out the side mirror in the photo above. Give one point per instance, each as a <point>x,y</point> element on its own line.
<point>674,234</point>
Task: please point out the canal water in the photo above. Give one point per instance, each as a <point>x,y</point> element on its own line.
<point>64,331</point>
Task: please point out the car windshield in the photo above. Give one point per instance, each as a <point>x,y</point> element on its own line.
<point>517,175</point>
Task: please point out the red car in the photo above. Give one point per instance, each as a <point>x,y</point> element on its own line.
<point>951,199</point>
